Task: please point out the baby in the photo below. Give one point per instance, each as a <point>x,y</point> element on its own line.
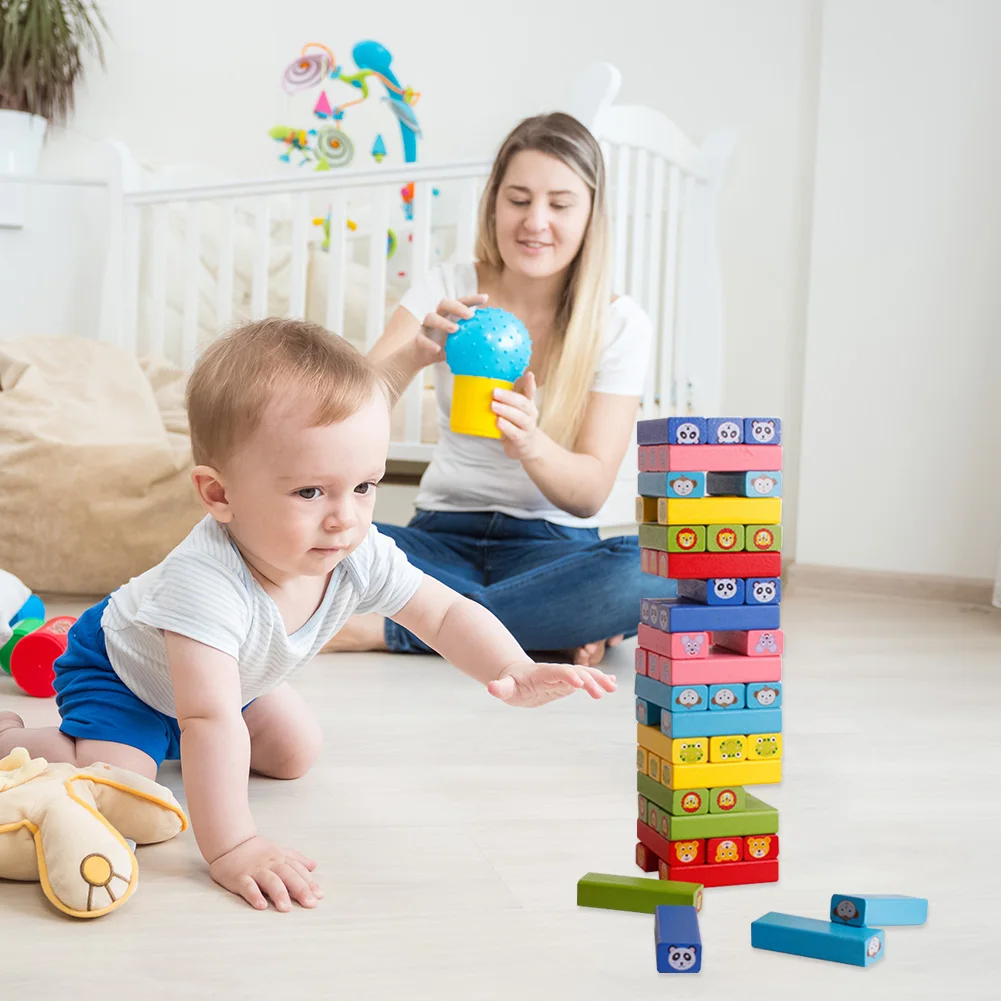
<point>289,431</point>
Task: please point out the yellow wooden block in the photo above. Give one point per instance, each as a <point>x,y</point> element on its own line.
<point>744,773</point>
<point>730,748</point>
<point>646,509</point>
<point>653,767</point>
<point>642,759</point>
<point>719,510</point>
<point>688,750</point>
<point>764,747</point>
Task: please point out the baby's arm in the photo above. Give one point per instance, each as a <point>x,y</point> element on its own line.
<point>476,641</point>
<point>215,761</point>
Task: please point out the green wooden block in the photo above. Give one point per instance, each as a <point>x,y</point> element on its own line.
<point>680,802</point>
<point>686,538</point>
<point>635,893</point>
<point>763,538</point>
<point>727,799</point>
<point>653,537</point>
<point>725,538</point>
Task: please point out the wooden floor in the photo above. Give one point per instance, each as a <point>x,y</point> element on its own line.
<point>451,830</point>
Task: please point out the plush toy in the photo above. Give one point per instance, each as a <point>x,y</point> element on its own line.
<point>66,827</point>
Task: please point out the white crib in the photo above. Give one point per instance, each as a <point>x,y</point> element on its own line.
<point>189,255</point>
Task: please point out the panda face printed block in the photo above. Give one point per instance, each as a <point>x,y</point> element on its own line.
<point>686,431</point>
<point>725,430</point>
<point>763,430</point>
<point>762,591</point>
<point>715,591</point>
<point>677,940</point>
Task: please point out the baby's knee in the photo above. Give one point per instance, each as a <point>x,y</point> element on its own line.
<point>296,755</point>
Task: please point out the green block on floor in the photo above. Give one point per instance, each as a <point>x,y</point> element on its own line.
<point>635,893</point>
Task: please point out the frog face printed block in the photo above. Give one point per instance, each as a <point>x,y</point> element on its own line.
<point>763,538</point>
<point>719,850</point>
<point>723,697</point>
<point>725,538</point>
<point>653,767</point>
<point>731,748</point>
<point>764,695</point>
<point>761,847</point>
<point>689,698</point>
<point>764,747</point>
<point>727,799</point>
<point>642,759</point>
<point>763,591</point>
<point>687,852</point>
<point>690,751</point>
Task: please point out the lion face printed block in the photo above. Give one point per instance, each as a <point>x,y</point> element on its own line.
<point>728,799</point>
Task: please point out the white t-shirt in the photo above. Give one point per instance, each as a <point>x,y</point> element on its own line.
<point>204,590</point>
<point>468,473</point>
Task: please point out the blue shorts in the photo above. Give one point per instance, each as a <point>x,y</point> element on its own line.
<point>95,703</point>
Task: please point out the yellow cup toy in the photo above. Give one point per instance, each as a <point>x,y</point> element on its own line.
<point>489,351</point>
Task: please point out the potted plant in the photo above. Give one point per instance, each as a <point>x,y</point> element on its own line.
<point>42,45</point>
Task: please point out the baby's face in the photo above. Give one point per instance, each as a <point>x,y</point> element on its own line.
<point>301,498</point>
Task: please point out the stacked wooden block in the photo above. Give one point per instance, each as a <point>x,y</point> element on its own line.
<point>709,663</point>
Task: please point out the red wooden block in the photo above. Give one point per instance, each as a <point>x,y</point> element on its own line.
<point>641,660</point>
<point>759,847</point>
<point>702,566</point>
<point>657,843</point>
<point>716,458</point>
<point>723,850</point>
<point>750,642</point>
<point>734,874</point>
<point>692,852</point>
<point>677,646</point>
<point>646,859</point>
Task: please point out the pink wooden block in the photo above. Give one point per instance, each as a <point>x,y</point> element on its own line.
<point>750,642</point>
<point>718,669</point>
<point>653,458</point>
<point>680,646</point>
<point>640,660</point>
<point>719,458</point>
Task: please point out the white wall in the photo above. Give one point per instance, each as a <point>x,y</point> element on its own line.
<point>901,463</point>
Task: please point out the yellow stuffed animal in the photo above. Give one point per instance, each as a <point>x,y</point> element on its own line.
<point>66,827</point>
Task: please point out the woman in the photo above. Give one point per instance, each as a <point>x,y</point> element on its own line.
<point>511,523</point>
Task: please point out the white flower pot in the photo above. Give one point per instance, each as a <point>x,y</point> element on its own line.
<point>21,138</point>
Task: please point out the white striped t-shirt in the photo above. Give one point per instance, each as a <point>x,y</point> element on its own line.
<point>205,591</point>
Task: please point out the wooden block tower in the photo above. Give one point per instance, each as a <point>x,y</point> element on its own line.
<point>709,663</point>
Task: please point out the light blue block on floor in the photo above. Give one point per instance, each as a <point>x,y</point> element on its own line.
<point>858,909</point>
<point>817,939</point>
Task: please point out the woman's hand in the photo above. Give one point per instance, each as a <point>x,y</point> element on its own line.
<point>518,418</point>
<point>430,340</point>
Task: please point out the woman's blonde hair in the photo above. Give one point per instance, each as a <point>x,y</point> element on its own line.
<point>580,317</point>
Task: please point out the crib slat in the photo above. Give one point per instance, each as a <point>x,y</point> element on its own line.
<point>262,248</point>
<point>130,264</point>
<point>192,264</point>
<point>466,223</point>
<point>224,276</point>
<point>300,250</point>
<point>666,382</point>
<point>620,219</point>
<point>336,258</point>
<point>655,246</point>
<point>375,315</point>
<point>420,261</point>
<point>158,282</point>
<point>638,249</point>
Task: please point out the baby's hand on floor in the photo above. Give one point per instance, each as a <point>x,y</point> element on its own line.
<point>531,684</point>
<point>259,870</point>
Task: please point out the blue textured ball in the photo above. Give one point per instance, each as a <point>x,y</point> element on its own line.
<point>492,343</point>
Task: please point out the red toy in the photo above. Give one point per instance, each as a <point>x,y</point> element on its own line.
<point>32,659</point>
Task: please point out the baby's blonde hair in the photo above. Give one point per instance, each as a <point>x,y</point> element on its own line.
<point>239,375</point>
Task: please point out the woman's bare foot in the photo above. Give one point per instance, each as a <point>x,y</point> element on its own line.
<point>360,633</point>
<point>591,654</point>
<point>9,721</point>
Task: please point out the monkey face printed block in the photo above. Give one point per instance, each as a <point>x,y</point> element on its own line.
<point>727,799</point>
<point>763,538</point>
<point>689,698</point>
<point>686,485</point>
<point>724,538</point>
<point>687,852</point>
<point>723,697</point>
<point>715,591</point>
<point>763,695</point>
<point>730,748</point>
<point>764,747</point>
<point>689,751</point>
<point>753,483</point>
<point>761,847</point>
<point>647,713</point>
<point>719,850</point>
<point>751,642</point>
<point>762,591</point>
<point>725,430</point>
<point>763,430</point>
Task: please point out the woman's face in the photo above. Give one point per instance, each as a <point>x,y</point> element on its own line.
<point>542,212</point>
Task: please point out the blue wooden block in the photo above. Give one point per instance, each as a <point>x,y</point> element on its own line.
<point>763,430</point>
<point>686,431</point>
<point>725,430</point>
<point>647,713</point>
<point>762,591</point>
<point>734,721</point>
<point>859,909</point>
<point>726,698</point>
<point>817,939</point>
<point>755,483</point>
<point>684,616</point>
<point>764,695</point>
<point>715,591</point>
<point>677,940</point>
<point>680,698</point>
<point>671,484</point>
<point>652,432</point>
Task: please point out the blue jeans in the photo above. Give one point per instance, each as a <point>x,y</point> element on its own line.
<point>555,588</point>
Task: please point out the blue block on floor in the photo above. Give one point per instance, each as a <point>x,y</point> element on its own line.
<point>677,940</point>
<point>726,698</point>
<point>857,909</point>
<point>734,721</point>
<point>725,430</point>
<point>679,699</point>
<point>688,617</point>
<point>817,939</point>
<point>671,484</point>
<point>763,430</point>
<point>764,695</point>
<point>755,483</point>
<point>715,591</point>
<point>762,591</point>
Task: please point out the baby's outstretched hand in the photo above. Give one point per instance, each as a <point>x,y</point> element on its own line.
<point>527,684</point>
<point>259,870</point>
